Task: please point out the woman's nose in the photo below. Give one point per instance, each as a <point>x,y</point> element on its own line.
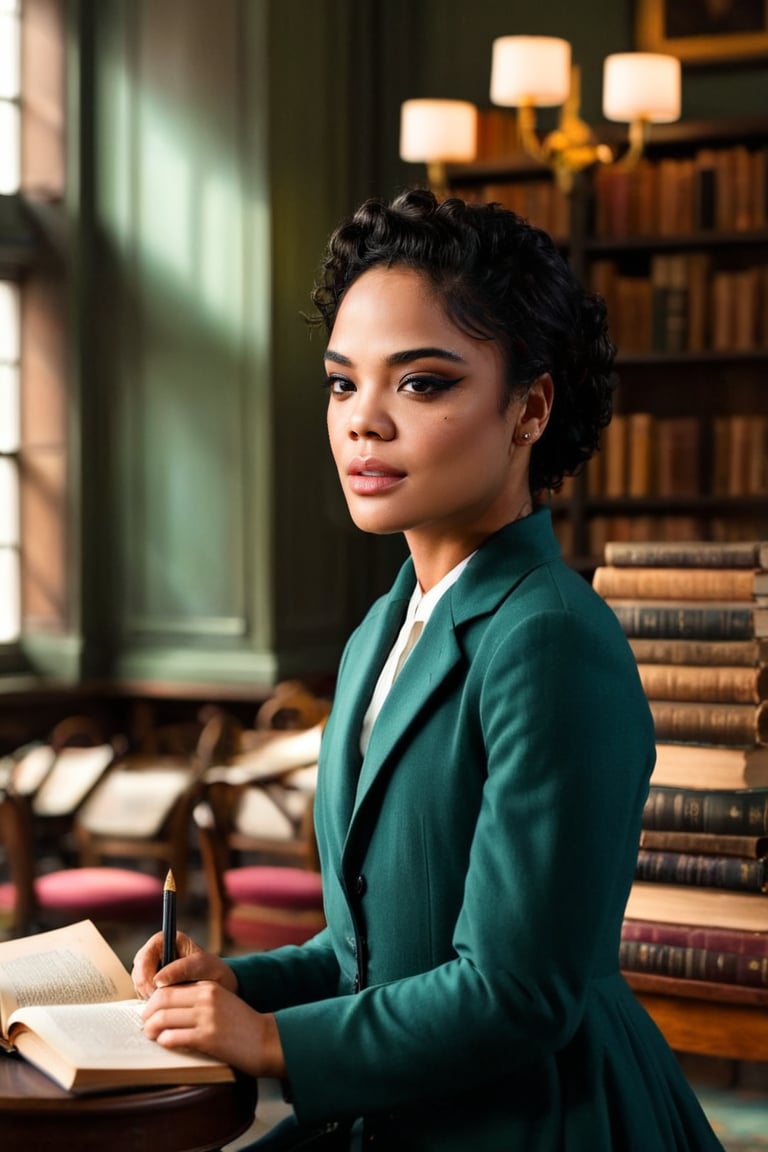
<point>370,420</point>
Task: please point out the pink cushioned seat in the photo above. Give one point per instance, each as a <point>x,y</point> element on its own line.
<point>100,893</point>
<point>273,905</point>
<point>277,887</point>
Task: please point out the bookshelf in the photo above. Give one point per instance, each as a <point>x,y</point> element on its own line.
<point>679,248</point>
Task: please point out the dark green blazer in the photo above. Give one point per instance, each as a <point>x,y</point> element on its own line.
<point>476,864</point>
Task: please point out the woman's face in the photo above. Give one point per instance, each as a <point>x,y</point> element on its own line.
<point>419,424</point>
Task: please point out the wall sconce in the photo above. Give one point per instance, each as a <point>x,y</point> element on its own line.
<point>435,133</point>
<point>640,88</point>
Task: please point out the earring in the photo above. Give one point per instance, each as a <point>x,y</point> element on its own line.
<point>523,438</point>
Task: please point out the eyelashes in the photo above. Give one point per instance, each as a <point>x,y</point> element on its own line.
<point>416,385</point>
<point>426,385</point>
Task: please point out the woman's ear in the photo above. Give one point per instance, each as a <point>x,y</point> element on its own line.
<point>534,416</point>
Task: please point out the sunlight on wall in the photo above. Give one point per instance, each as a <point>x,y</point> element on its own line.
<point>221,238</point>
<point>191,213</point>
<point>166,203</point>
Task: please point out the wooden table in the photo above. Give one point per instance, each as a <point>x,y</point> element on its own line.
<point>38,1116</point>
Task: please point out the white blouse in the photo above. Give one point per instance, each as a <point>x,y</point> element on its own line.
<point>420,608</point>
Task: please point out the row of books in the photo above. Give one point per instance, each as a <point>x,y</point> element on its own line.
<point>684,302</point>
<point>627,528</point>
<point>716,189</point>
<point>679,456</point>
<point>696,616</point>
<point>638,526</point>
<point>539,200</point>
<point>498,137</point>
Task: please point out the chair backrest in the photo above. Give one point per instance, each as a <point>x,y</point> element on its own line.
<point>248,828</point>
<point>268,820</point>
<point>138,813</point>
<point>292,706</point>
<point>142,809</point>
<point>257,812</point>
<point>17,839</point>
<point>43,784</point>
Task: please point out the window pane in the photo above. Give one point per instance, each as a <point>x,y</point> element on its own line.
<point>10,340</point>
<point>9,51</point>
<point>10,335</point>
<point>9,503</point>
<point>9,408</point>
<point>9,595</point>
<point>9,148</point>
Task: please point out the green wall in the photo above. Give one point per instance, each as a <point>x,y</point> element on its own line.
<point>219,141</point>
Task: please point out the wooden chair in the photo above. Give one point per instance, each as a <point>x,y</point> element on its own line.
<point>130,829</point>
<point>256,833</point>
<point>57,775</point>
<point>292,706</point>
<point>254,903</point>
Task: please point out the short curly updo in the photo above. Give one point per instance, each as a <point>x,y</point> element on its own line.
<point>499,278</point>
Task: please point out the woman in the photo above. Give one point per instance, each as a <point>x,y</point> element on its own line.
<point>479,805</point>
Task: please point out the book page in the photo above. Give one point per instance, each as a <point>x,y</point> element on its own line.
<point>104,1037</point>
<point>67,965</point>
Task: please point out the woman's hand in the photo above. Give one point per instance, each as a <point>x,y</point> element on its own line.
<point>192,963</point>
<point>207,1017</point>
<point>193,1003</point>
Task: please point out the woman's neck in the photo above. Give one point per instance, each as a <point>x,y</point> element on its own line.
<point>434,557</point>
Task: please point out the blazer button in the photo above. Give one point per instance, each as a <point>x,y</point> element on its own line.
<point>360,885</point>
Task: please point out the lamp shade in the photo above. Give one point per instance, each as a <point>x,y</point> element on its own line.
<point>438,130</point>
<point>530,70</point>
<point>641,85</point>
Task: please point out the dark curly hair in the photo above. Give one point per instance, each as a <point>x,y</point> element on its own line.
<point>499,279</point>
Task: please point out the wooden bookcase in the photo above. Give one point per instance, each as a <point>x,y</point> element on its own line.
<point>678,246</point>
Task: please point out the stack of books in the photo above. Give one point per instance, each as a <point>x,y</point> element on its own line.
<point>696,616</point>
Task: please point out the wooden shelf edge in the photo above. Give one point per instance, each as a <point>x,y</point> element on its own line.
<point>732,994</point>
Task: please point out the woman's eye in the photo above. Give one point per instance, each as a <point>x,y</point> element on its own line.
<point>338,385</point>
<point>426,385</point>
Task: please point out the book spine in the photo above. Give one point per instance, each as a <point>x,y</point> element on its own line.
<point>690,682</point>
<point>740,941</point>
<point>729,812</point>
<point>684,621</point>
<point>748,847</point>
<point>704,871</point>
<point>721,653</point>
<point>734,725</point>
<point>693,554</point>
<point>674,583</point>
<point>679,456</point>
<point>693,963</point>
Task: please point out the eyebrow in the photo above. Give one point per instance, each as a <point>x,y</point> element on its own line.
<point>405,357</point>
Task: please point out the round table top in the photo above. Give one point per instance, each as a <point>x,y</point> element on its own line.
<point>35,1113</point>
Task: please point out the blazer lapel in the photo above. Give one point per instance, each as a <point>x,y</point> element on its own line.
<point>433,658</point>
<point>491,575</point>
<point>364,658</point>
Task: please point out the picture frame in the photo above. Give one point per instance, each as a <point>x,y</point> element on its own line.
<point>703,31</point>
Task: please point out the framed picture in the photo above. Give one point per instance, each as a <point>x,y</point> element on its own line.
<point>703,31</point>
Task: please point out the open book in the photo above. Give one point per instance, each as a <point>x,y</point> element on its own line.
<point>68,1005</point>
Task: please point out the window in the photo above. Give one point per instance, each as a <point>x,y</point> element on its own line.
<point>10,333</point>
<point>10,72</point>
